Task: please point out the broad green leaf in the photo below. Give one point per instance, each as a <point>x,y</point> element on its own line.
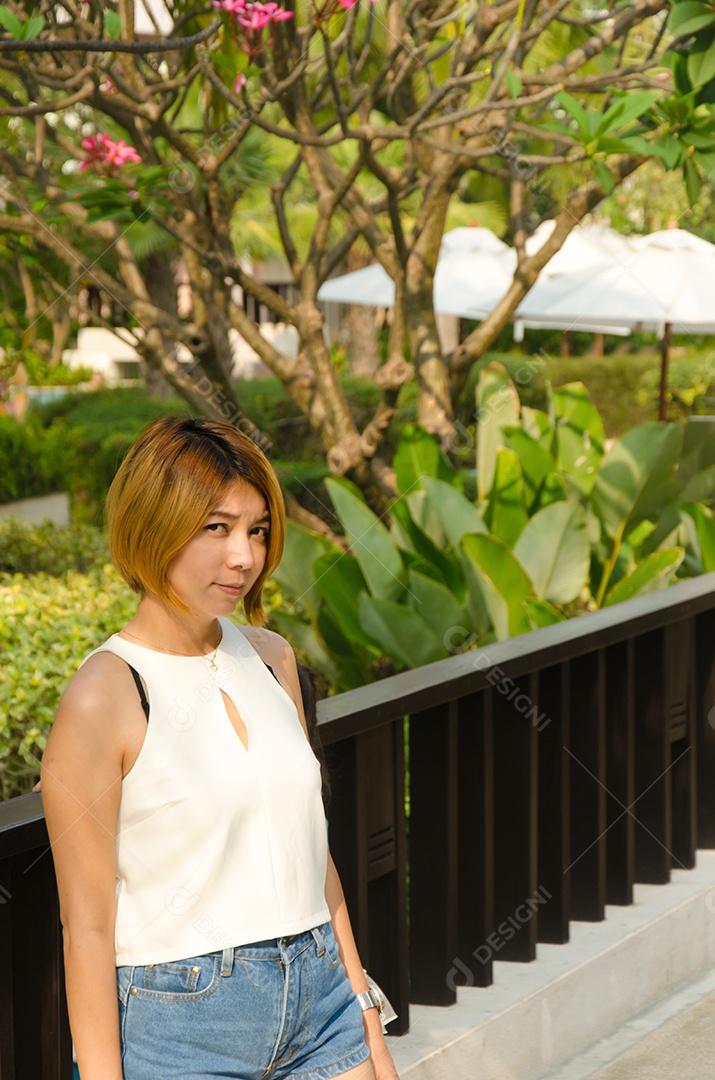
<point>687,17</point>
<point>425,516</point>
<point>400,631</point>
<point>302,636</point>
<point>701,59</point>
<point>506,513</point>
<point>354,666</point>
<point>370,542</point>
<point>33,27</point>
<point>693,180</point>
<point>338,576</point>
<point>536,463</point>
<point>541,613</point>
<point>572,107</point>
<point>501,570</point>
<point>604,176</point>
<point>669,149</point>
<point>113,25</point>
<point>655,572</point>
<point>635,479</point>
<point>438,608</point>
<point>11,23</point>
<point>497,407</point>
<point>698,448</point>
<point>580,436</point>
<point>555,551</point>
<point>514,83</point>
<point>631,106</point>
<point>295,573</point>
<point>419,454</point>
<point>538,426</point>
<point>457,515</point>
<point>705,528</point>
<point>553,489</point>
<point>446,565</point>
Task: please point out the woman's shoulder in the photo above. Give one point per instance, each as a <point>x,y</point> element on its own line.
<point>269,645</point>
<point>95,692</point>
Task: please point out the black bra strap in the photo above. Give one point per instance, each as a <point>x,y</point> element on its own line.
<point>140,688</point>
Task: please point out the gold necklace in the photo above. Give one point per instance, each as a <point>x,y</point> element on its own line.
<point>173,652</point>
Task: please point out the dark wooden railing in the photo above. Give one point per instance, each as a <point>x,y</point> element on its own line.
<point>546,775</point>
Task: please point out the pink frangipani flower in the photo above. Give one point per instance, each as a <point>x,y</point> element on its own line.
<point>105,154</point>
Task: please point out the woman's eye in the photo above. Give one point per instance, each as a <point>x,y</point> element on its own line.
<point>215,526</point>
<point>262,531</point>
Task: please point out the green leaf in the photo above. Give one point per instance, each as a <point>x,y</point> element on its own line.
<point>538,425</point>
<point>705,528</point>
<point>555,551</point>
<point>11,23</point>
<point>514,83</point>
<point>302,636</point>
<point>701,59</point>
<point>446,565</point>
<point>536,462</point>
<point>655,572</point>
<point>506,580</point>
<point>688,17</point>
<point>340,582</point>
<point>693,180</point>
<point>497,407</point>
<point>636,477</point>
<point>506,513</point>
<point>438,608</point>
<point>33,28</point>
<point>553,489</point>
<point>457,515</point>
<point>604,176</point>
<point>295,573</point>
<point>419,454</point>
<point>113,25</point>
<point>370,541</point>
<point>580,435</point>
<point>400,631</point>
<point>631,106</point>
<point>542,613</point>
<point>669,149</point>
<point>572,107</point>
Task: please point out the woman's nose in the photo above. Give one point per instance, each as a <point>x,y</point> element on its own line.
<point>240,551</point>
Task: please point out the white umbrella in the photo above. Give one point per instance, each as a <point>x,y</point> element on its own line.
<point>665,282</point>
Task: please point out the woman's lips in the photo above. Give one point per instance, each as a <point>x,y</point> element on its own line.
<point>230,590</point>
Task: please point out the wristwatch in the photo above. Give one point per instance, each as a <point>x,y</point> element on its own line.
<point>370,999</point>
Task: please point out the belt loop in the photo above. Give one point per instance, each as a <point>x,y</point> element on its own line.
<point>319,940</point>
<point>227,960</point>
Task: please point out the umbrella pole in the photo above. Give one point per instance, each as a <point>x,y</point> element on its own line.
<point>664,354</point>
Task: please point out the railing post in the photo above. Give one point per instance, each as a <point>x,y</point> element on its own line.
<point>653,803</point>
<point>433,854</point>
<point>705,725</point>
<point>475,837</point>
<point>620,771</point>
<point>588,787</point>
<point>553,722</point>
<point>516,809</point>
<point>679,663</point>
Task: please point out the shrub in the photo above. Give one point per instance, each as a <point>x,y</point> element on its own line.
<point>49,549</point>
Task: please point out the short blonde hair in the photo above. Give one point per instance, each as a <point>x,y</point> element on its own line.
<point>172,478</point>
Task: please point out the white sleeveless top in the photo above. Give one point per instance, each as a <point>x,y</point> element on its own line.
<point>217,845</point>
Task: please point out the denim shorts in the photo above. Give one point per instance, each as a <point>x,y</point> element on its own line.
<point>272,1009</point>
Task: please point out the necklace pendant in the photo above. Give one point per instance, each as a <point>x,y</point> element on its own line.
<point>212,663</point>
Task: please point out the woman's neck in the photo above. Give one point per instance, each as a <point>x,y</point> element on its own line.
<point>156,624</point>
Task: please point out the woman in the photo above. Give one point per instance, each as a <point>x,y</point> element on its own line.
<point>205,929</point>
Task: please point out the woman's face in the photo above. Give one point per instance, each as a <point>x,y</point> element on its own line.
<point>220,563</point>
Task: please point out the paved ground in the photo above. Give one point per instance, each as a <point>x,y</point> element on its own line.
<point>682,1049</point>
<point>675,1040</point>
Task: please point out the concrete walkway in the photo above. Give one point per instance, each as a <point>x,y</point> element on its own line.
<point>682,1048</point>
<point>673,1041</point>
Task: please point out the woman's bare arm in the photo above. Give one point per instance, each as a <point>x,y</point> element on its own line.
<point>82,772</point>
